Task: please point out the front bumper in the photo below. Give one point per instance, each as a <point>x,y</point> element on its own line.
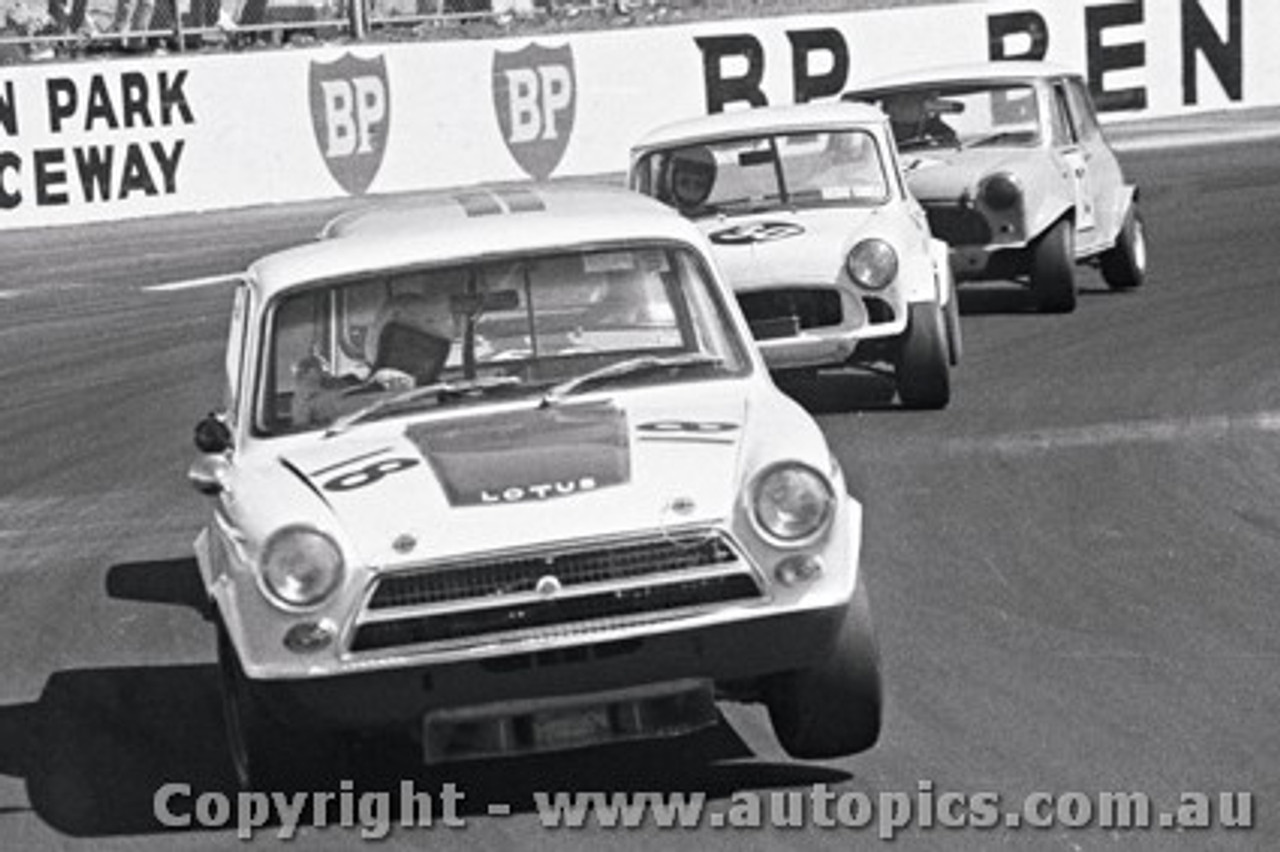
<point>724,654</point>
<point>982,244</point>
<point>793,333</point>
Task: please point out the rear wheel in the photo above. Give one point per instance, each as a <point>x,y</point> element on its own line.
<point>1053,268</point>
<point>1124,265</point>
<point>265,753</point>
<point>833,708</point>
<point>955,341</point>
<point>923,368</point>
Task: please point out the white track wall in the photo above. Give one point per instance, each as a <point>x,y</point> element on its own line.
<point>151,136</point>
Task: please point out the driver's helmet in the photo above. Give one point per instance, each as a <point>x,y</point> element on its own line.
<point>412,333</point>
<point>906,107</point>
<point>692,174</point>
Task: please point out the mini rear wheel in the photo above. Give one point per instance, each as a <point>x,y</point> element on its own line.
<point>1124,266</point>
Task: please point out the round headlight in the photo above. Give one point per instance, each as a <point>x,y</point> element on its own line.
<point>1000,191</point>
<point>301,566</point>
<point>792,503</point>
<point>872,264</point>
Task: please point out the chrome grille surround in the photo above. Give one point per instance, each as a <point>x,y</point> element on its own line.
<point>574,589</point>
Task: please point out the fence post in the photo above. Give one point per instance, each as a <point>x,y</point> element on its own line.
<point>358,14</point>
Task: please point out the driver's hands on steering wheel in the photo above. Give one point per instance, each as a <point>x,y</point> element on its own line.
<point>392,379</point>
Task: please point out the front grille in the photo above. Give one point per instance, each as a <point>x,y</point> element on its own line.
<point>553,590</point>
<point>805,307</point>
<point>471,624</point>
<point>521,574</point>
<point>959,226</point>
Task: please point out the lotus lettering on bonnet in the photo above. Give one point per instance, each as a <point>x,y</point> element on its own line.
<point>540,491</point>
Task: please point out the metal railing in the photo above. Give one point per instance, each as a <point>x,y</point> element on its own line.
<point>72,28</point>
<point>78,28</point>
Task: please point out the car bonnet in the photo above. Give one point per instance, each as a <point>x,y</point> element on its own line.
<point>495,480</point>
<point>785,247</point>
<point>945,174</point>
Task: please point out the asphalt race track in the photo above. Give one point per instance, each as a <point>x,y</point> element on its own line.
<point>1073,569</point>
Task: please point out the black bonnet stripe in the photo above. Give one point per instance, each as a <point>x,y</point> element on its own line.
<point>521,200</point>
<point>485,203</point>
<point>478,203</point>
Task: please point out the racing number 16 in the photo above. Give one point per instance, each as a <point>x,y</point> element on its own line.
<point>368,474</point>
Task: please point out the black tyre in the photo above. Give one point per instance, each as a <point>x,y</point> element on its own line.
<point>265,753</point>
<point>1124,265</point>
<point>834,708</point>
<point>955,340</point>
<point>923,369</point>
<point>1053,269</point>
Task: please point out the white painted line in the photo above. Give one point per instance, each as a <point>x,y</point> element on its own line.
<point>1158,141</point>
<point>191,283</point>
<point>1128,432</point>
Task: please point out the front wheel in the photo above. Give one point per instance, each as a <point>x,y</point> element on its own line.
<point>834,708</point>
<point>923,368</point>
<point>265,753</point>
<point>1053,268</point>
<point>1124,265</point>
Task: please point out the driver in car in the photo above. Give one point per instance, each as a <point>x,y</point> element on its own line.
<point>406,346</point>
<point>914,118</point>
<point>692,175</point>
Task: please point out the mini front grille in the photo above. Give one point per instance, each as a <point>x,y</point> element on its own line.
<point>562,590</point>
<point>959,226</point>
<point>807,307</point>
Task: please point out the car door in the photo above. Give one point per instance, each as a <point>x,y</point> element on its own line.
<point>1077,160</point>
<point>1106,180</point>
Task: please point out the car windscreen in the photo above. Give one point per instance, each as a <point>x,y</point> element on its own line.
<point>795,170</point>
<point>962,115</point>
<point>498,328</point>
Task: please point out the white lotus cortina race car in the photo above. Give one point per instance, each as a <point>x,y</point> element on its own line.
<point>830,256</point>
<point>502,470</point>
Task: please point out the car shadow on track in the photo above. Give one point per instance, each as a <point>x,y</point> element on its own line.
<point>989,298</point>
<point>166,581</point>
<point>98,743</point>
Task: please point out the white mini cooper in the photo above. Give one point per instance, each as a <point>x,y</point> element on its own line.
<point>1013,168</point>
<point>829,255</point>
<point>502,470</point>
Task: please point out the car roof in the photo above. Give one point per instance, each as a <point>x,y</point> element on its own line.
<point>769,119</point>
<point>972,71</point>
<point>465,224</point>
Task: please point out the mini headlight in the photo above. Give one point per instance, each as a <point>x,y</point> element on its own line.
<point>872,264</point>
<point>1000,191</point>
<point>792,503</point>
<point>301,566</point>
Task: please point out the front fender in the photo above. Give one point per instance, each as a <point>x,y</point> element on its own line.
<point>1120,202</point>
<point>928,278</point>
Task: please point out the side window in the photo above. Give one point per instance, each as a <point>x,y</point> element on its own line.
<point>236,342</point>
<point>1082,110</point>
<point>1064,132</point>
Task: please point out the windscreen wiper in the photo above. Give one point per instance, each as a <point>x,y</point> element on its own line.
<point>630,367</point>
<point>439,390</point>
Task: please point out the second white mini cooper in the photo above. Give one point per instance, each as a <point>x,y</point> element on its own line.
<point>829,255</point>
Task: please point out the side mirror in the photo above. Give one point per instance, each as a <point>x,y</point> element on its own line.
<point>207,475</point>
<point>212,434</point>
